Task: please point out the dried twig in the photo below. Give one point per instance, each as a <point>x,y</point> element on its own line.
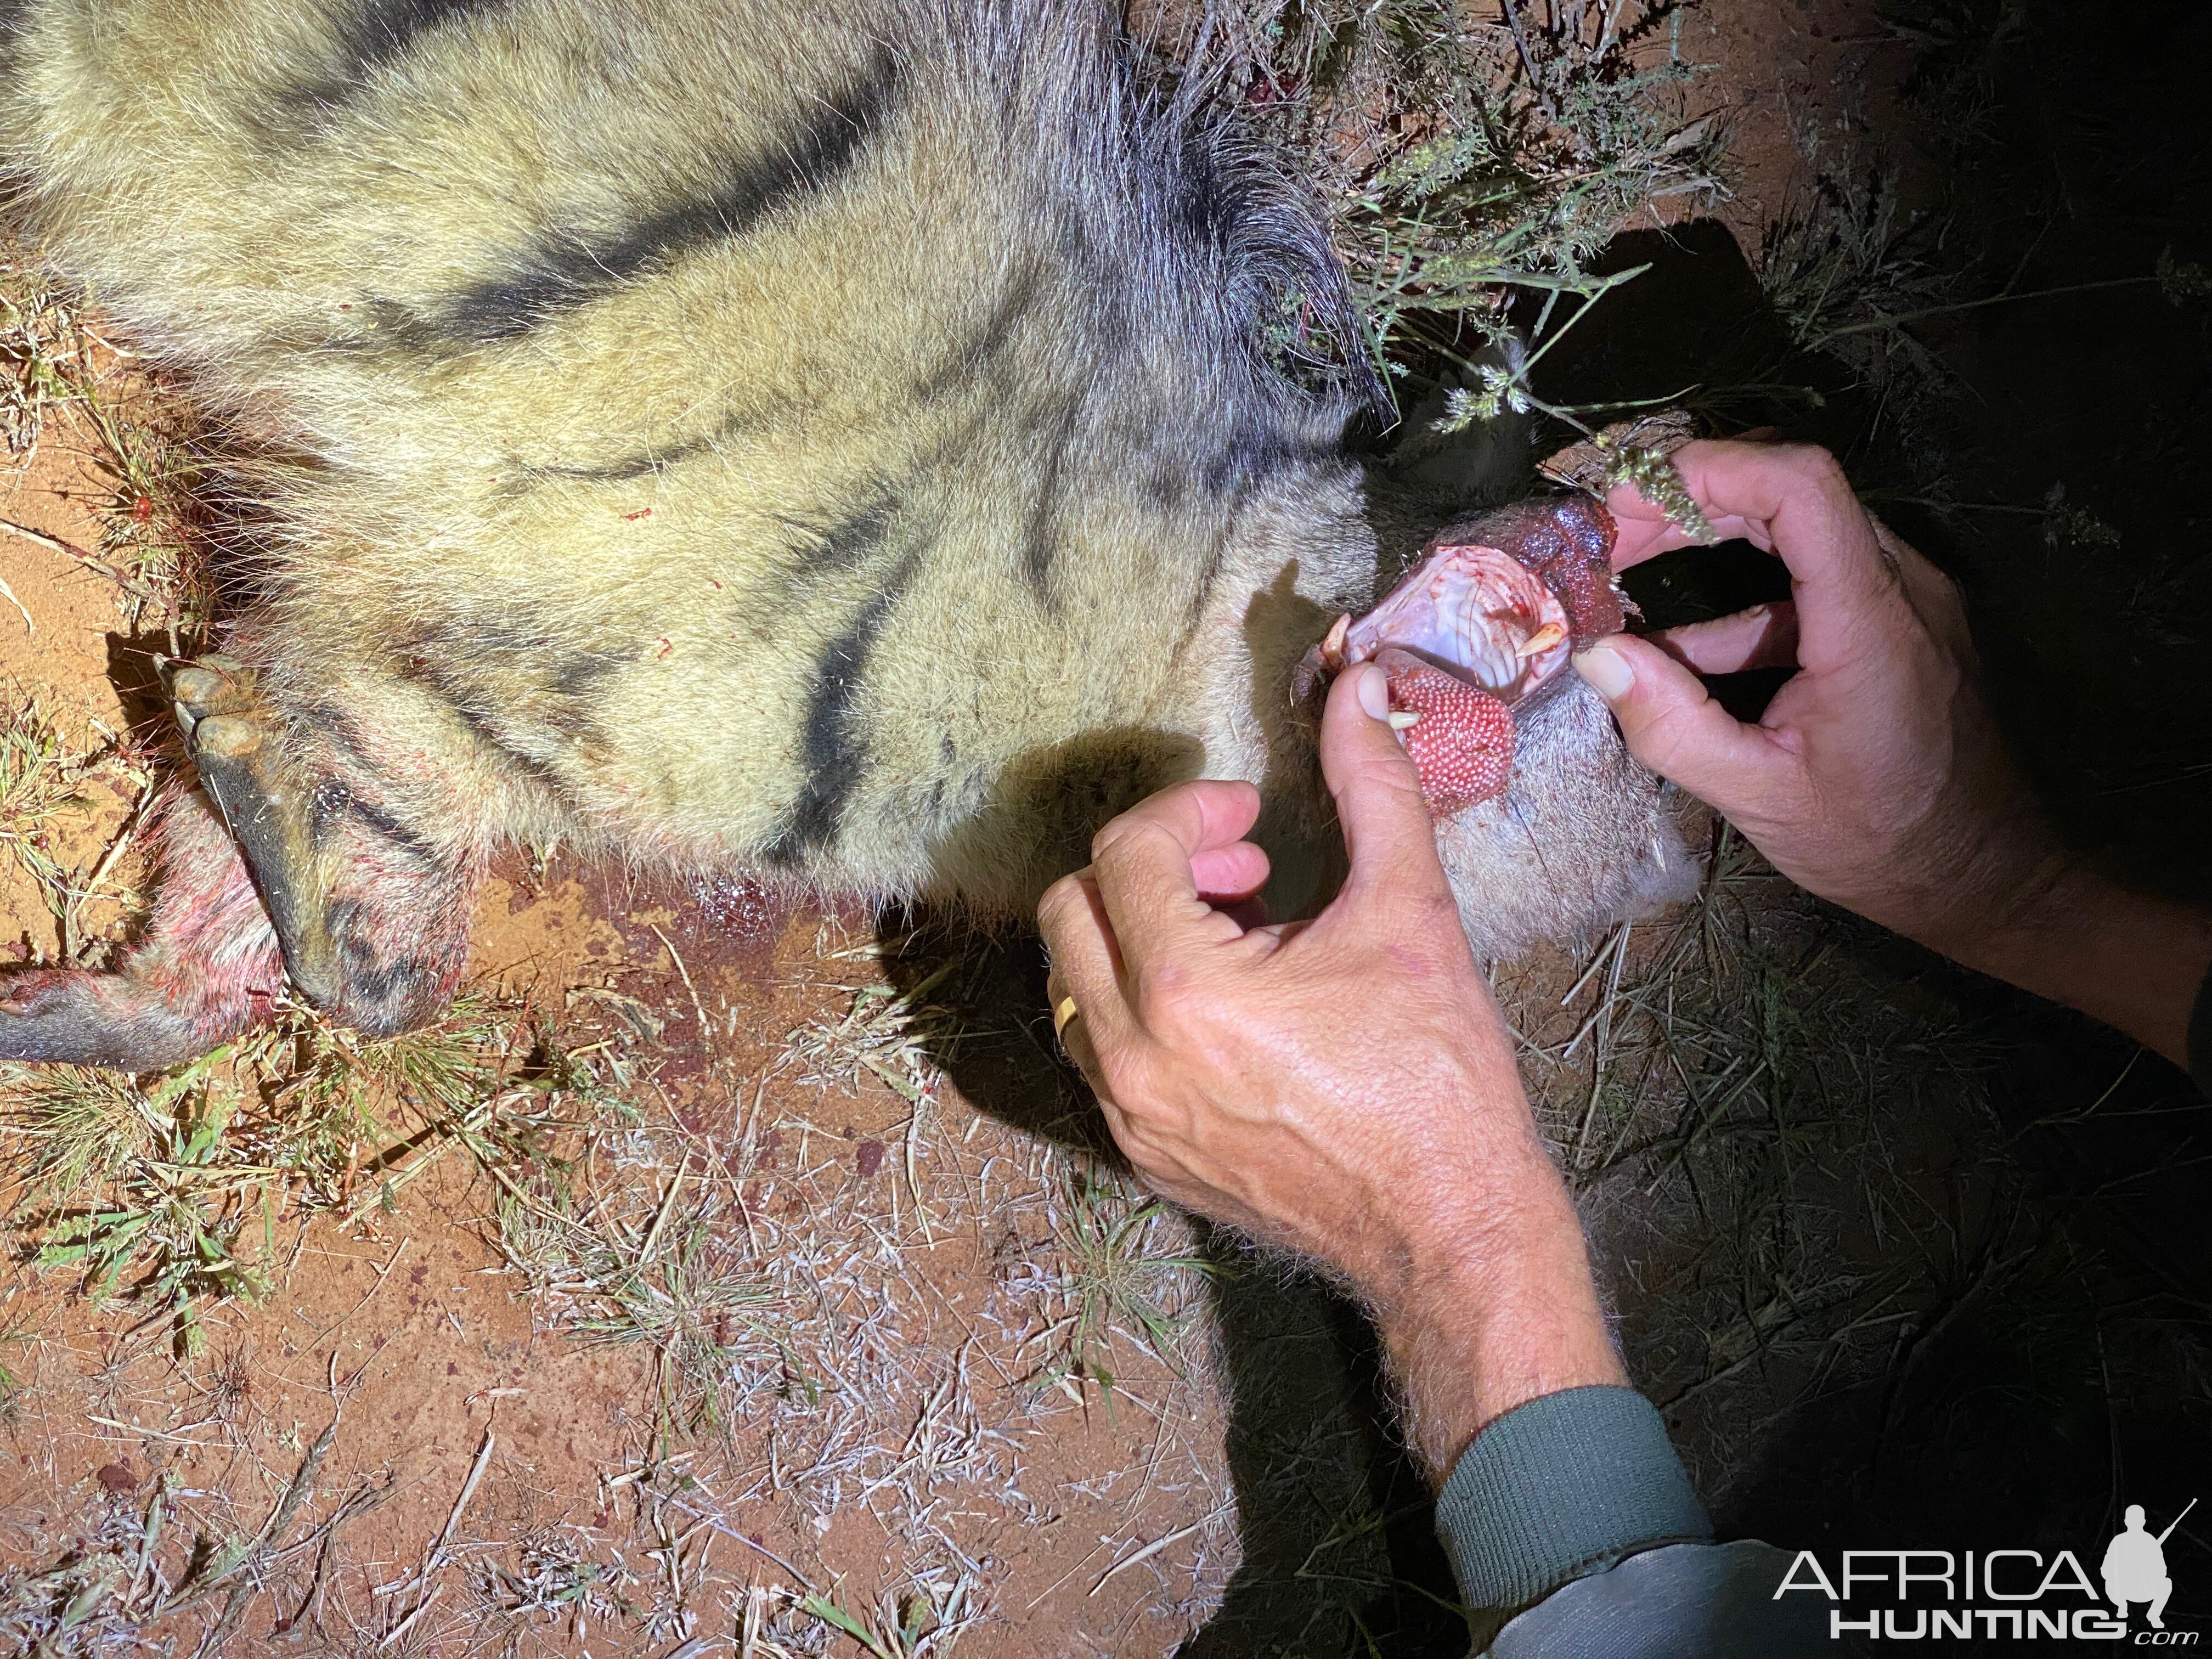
<point>435,1559</point>
<point>92,562</point>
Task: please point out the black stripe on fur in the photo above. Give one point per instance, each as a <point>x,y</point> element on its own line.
<point>375,35</point>
<point>562,273</point>
<point>848,543</point>
<point>835,757</point>
<point>334,805</point>
<point>1040,539</point>
<point>976,359</point>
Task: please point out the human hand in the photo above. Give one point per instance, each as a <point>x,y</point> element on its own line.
<point>1876,778</point>
<point>1344,1087</point>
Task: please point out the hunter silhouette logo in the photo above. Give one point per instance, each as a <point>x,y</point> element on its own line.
<point>2135,1566</point>
<point>1992,1594</point>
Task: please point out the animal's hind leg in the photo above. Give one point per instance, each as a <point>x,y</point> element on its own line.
<point>207,967</point>
<point>372,919</point>
<point>278,857</point>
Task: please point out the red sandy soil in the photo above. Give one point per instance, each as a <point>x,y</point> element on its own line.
<point>1805,84</point>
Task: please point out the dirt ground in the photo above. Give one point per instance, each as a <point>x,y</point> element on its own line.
<point>945,1446</point>
<point>945,1374</point>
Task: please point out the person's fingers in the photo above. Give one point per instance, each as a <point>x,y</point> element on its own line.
<point>1763,637</point>
<point>1636,540</point>
<point>1643,530</point>
<point>1085,957</point>
<point>1225,875</point>
<point>1142,864</point>
<point>1798,499</point>
<point>1072,1032</point>
<point>1387,832</point>
<point>1674,726</point>
<point>1078,938</point>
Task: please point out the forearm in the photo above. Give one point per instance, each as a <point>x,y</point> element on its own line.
<point>2132,961</point>
<point>1494,1311</point>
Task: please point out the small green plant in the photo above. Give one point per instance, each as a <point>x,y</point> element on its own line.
<point>154,1188</point>
<point>139,1566</point>
<point>892,1034</point>
<point>690,1303</point>
<point>174,1220</point>
<point>150,469</point>
<point>1115,1277</point>
<point>555,1582</point>
<point>143,439</point>
<point>678,1288</point>
<point>83,1125</point>
<point>43,353</point>
<point>923,1621</point>
<point>1847,271</point>
<point>41,791</point>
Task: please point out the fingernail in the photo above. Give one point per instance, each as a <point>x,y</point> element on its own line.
<point>1607,671</point>
<point>1373,691</point>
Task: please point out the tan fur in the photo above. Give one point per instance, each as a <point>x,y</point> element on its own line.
<point>982,395</point>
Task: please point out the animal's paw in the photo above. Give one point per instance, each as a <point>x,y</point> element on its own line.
<point>263,797</point>
<point>371,921</point>
<point>210,688</point>
<point>227,732</point>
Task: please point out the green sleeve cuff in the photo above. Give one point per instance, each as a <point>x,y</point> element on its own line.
<point>1562,1486</point>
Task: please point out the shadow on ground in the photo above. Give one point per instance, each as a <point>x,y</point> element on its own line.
<point>1339,1552</point>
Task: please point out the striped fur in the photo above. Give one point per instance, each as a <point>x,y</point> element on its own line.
<point>853,443</point>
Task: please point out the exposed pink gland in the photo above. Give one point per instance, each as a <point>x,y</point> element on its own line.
<point>1462,739</point>
<point>1490,614</point>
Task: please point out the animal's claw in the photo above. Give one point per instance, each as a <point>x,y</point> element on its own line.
<point>202,687</point>
<point>226,737</point>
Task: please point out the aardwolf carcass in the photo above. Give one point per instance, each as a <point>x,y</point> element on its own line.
<point>864,444</point>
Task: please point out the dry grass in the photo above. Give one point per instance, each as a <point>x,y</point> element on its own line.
<point>1469,160</point>
<point>46,354</point>
<point>41,793</point>
<point>142,1568</point>
<point>925,1620</point>
<point>1127,1270</point>
<point>681,1289</point>
<point>140,440</point>
<point>169,1190</point>
<point>1782,1146</point>
<point>900,1036</point>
